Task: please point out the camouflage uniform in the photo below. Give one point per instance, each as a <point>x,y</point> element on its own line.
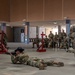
<point>56,38</point>
<point>53,63</point>
<point>51,35</point>
<point>71,41</point>
<point>62,37</point>
<point>4,39</point>
<point>46,41</point>
<point>66,45</point>
<point>40,63</point>
<point>50,38</point>
<point>72,37</point>
<point>36,41</point>
<point>21,58</point>
<point>34,61</point>
<point>14,59</point>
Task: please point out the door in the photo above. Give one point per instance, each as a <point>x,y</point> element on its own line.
<point>19,34</point>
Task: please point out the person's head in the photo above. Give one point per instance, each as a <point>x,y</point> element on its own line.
<point>55,33</point>
<point>46,36</point>
<point>18,52</point>
<point>63,30</point>
<point>50,32</point>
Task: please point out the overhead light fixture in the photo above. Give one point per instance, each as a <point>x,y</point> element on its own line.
<point>7,25</point>
<point>23,24</point>
<point>54,22</point>
<point>65,18</point>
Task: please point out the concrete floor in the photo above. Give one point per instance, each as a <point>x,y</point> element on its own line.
<point>7,68</point>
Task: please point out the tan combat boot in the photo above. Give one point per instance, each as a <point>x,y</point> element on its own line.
<point>41,66</point>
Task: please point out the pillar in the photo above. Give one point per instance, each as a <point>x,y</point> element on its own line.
<point>3,27</point>
<point>68,30</point>
<point>59,29</point>
<point>27,32</point>
<point>67,27</point>
<point>37,30</point>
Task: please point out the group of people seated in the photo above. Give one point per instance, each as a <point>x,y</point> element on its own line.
<point>61,40</point>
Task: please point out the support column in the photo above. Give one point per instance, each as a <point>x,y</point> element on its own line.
<point>3,27</point>
<point>0,26</point>
<point>59,29</point>
<point>37,30</point>
<point>68,30</point>
<point>27,32</point>
<point>67,27</point>
<point>59,33</point>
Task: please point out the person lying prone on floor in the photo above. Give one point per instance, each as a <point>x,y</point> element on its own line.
<point>22,58</point>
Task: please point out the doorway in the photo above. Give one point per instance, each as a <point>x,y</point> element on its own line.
<point>19,34</point>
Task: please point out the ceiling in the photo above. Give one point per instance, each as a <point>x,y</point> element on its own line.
<point>39,23</point>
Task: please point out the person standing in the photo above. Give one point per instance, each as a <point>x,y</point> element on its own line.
<point>46,41</point>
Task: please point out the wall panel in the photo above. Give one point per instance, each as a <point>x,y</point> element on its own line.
<point>35,10</point>
<point>9,33</point>
<point>4,10</point>
<point>53,9</point>
<point>18,10</point>
<point>38,10</point>
<point>69,8</point>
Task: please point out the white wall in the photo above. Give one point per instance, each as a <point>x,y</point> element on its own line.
<point>48,29</point>
<point>55,29</point>
<point>42,29</point>
<point>63,27</point>
<point>32,32</point>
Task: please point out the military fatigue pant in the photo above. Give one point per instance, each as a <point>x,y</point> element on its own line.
<point>46,45</point>
<point>39,63</point>
<point>37,44</point>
